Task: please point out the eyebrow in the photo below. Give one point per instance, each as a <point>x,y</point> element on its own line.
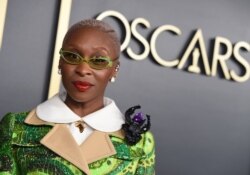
<point>103,48</point>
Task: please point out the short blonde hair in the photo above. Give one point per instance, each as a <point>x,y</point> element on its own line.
<point>99,25</point>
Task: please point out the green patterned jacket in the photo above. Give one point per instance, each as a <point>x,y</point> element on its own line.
<point>31,146</point>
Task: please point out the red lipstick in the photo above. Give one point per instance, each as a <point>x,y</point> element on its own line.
<point>82,86</point>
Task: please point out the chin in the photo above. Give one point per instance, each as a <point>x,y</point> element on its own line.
<point>83,97</point>
<point>80,98</point>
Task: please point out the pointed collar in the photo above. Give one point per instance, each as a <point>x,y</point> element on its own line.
<point>107,119</point>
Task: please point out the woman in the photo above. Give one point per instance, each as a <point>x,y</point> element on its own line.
<point>80,131</point>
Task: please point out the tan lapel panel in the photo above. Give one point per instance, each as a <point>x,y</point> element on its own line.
<point>97,146</point>
<point>61,141</point>
<point>33,119</point>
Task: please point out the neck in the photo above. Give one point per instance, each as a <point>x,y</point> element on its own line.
<point>83,108</point>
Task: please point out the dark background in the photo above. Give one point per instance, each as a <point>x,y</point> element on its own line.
<point>201,124</point>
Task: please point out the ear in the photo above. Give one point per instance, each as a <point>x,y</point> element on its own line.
<point>116,70</point>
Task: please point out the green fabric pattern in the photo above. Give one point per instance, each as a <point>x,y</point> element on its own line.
<point>21,153</point>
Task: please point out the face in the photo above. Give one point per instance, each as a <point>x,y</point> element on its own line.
<point>83,83</point>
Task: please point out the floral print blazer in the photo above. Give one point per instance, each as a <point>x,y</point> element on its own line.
<point>29,145</point>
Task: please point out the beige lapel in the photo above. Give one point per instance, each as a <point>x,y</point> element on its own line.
<point>59,139</point>
<point>97,146</point>
<point>34,120</point>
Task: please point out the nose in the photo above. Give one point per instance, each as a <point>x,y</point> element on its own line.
<point>83,69</point>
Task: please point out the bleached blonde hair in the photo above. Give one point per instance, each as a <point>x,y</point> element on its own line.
<point>99,25</point>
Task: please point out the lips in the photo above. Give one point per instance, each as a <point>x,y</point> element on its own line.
<point>82,85</point>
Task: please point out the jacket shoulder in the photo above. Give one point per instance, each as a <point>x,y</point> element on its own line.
<point>12,117</point>
<point>13,129</point>
<point>7,124</point>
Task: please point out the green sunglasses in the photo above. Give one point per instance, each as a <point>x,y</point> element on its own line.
<point>95,62</point>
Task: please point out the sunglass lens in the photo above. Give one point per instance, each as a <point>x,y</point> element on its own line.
<point>99,63</point>
<point>71,57</point>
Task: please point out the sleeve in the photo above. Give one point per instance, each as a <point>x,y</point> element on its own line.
<point>7,160</point>
<point>146,164</point>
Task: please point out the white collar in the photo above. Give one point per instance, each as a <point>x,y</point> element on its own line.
<point>107,119</point>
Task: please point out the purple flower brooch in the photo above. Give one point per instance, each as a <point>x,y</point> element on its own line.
<point>135,125</point>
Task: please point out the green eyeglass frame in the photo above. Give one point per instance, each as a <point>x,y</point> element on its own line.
<point>94,62</point>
